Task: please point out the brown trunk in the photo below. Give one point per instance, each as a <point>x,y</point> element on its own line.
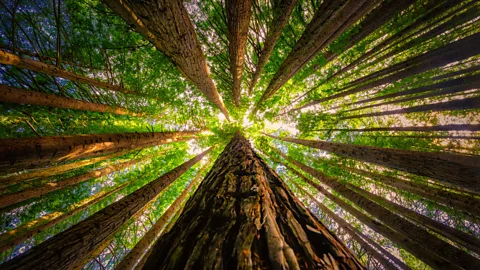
<point>136,253</point>
<point>442,254</point>
<point>71,247</point>
<point>457,170</point>
<point>167,26</point>
<point>7,58</point>
<point>358,236</point>
<point>51,171</point>
<point>16,236</point>
<point>282,14</point>
<point>16,95</point>
<point>26,153</point>
<point>244,216</point>
<point>330,20</point>
<point>238,18</point>
<point>461,104</point>
<point>20,196</point>
<point>454,127</point>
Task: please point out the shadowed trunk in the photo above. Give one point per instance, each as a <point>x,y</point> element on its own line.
<point>74,246</point>
<point>167,26</point>
<point>454,127</point>
<point>238,21</point>
<point>9,94</point>
<point>244,216</point>
<point>26,153</point>
<point>453,169</point>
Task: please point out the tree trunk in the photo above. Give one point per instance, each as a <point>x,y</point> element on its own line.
<point>26,153</point>
<point>459,104</point>
<point>7,58</point>
<point>16,95</point>
<point>457,170</point>
<point>442,254</point>
<point>244,216</point>
<point>238,21</point>
<point>136,253</point>
<point>453,127</point>
<point>18,235</point>
<point>167,26</point>
<point>280,20</point>
<point>20,196</point>
<point>70,248</point>
<point>51,171</point>
<point>358,236</point>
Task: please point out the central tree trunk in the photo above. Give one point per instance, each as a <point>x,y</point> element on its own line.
<point>244,217</point>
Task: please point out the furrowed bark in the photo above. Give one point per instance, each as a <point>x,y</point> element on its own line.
<point>282,14</point>
<point>453,169</point>
<point>238,21</point>
<point>454,127</point>
<point>167,26</point>
<point>444,254</point>
<point>18,235</point>
<point>26,153</point>
<point>10,94</point>
<point>460,104</point>
<point>7,58</point>
<point>17,197</point>
<point>70,248</point>
<point>136,253</point>
<point>244,216</point>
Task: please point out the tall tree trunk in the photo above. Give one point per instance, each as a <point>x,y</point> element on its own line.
<point>7,58</point>
<point>459,104</point>
<point>330,20</point>
<point>51,171</point>
<point>358,236</point>
<point>458,170</point>
<point>16,236</point>
<point>443,255</point>
<point>10,94</point>
<point>280,20</point>
<point>452,127</point>
<point>26,153</point>
<point>244,216</point>
<point>167,26</point>
<point>238,21</point>
<point>136,253</point>
<point>20,196</point>
<point>70,248</point>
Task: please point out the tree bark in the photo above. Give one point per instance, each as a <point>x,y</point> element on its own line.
<point>26,153</point>
<point>136,253</point>
<point>244,216</point>
<point>457,170</point>
<point>280,20</point>
<point>442,254</point>
<point>70,248</point>
<point>7,58</point>
<point>10,94</point>
<point>18,235</point>
<point>453,127</point>
<point>167,26</point>
<point>238,21</point>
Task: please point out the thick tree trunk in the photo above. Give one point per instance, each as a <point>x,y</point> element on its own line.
<point>71,247</point>
<point>136,253</point>
<point>358,236</point>
<point>7,58</point>
<point>18,235</point>
<point>442,254</point>
<point>26,153</point>
<point>51,171</point>
<point>244,216</point>
<point>167,26</point>
<point>457,170</point>
<point>453,127</point>
<point>280,20</point>
<point>9,94</point>
<point>20,196</point>
<point>459,104</point>
<point>238,21</point>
